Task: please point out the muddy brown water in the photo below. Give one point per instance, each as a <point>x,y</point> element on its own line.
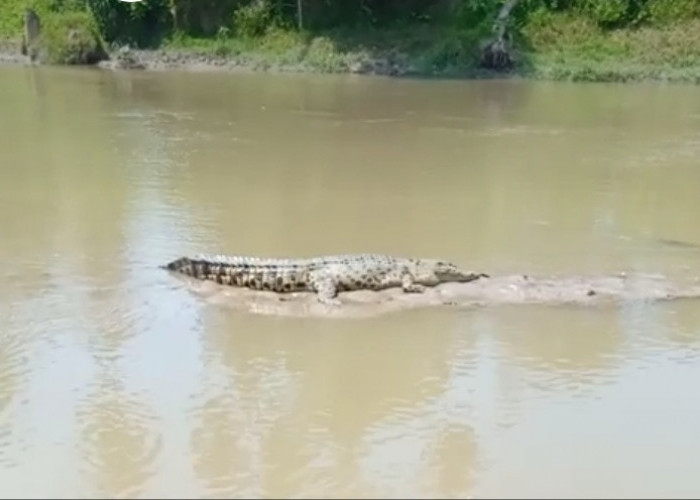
<point>116,379</point>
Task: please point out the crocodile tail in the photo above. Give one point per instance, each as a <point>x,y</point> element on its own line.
<point>200,269</point>
<point>183,265</point>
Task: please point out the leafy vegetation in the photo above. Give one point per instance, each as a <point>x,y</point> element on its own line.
<point>71,38</point>
<point>562,39</point>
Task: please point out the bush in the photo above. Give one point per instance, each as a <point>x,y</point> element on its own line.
<point>323,55</point>
<point>451,51</point>
<point>11,15</point>
<point>546,30</point>
<point>605,12</point>
<point>71,38</point>
<point>667,11</point>
<point>252,20</point>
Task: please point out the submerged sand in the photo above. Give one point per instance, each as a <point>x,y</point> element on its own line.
<point>494,291</point>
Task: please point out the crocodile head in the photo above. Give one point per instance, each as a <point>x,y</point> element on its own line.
<point>448,272</point>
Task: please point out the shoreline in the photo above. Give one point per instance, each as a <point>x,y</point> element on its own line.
<point>193,60</point>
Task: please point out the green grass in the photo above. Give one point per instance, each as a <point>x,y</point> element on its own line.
<point>277,48</point>
<point>426,50</point>
<point>566,48</point>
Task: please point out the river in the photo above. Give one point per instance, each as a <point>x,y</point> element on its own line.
<point>116,380</point>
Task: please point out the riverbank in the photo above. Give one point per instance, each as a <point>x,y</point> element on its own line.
<point>552,48</point>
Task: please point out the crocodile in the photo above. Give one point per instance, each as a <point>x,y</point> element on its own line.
<point>326,276</point>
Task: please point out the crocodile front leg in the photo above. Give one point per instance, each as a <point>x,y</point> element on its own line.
<point>409,286</point>
<point>325,287</point>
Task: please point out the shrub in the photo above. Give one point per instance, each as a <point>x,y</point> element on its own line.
<point>252,20</point>
<point>666,11</point>
<point>71,38</point>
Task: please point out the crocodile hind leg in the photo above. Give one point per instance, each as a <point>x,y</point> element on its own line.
<point>325,287</point>
<point>409,286</point>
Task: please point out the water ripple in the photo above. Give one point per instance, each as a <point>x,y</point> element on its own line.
<point>120,443</point>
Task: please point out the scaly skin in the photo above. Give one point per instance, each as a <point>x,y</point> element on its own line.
<point>326,276</point>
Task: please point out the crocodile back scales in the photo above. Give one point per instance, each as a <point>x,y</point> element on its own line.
<point>352,271</point>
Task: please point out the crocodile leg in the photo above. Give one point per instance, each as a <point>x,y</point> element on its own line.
<point>325,287</point>
<point>409,286</point>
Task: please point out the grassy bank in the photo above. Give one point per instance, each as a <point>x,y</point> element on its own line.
<point>562,47</point>
<point>420,50</point>
<point>558,47</point>
<point>574,44</point>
